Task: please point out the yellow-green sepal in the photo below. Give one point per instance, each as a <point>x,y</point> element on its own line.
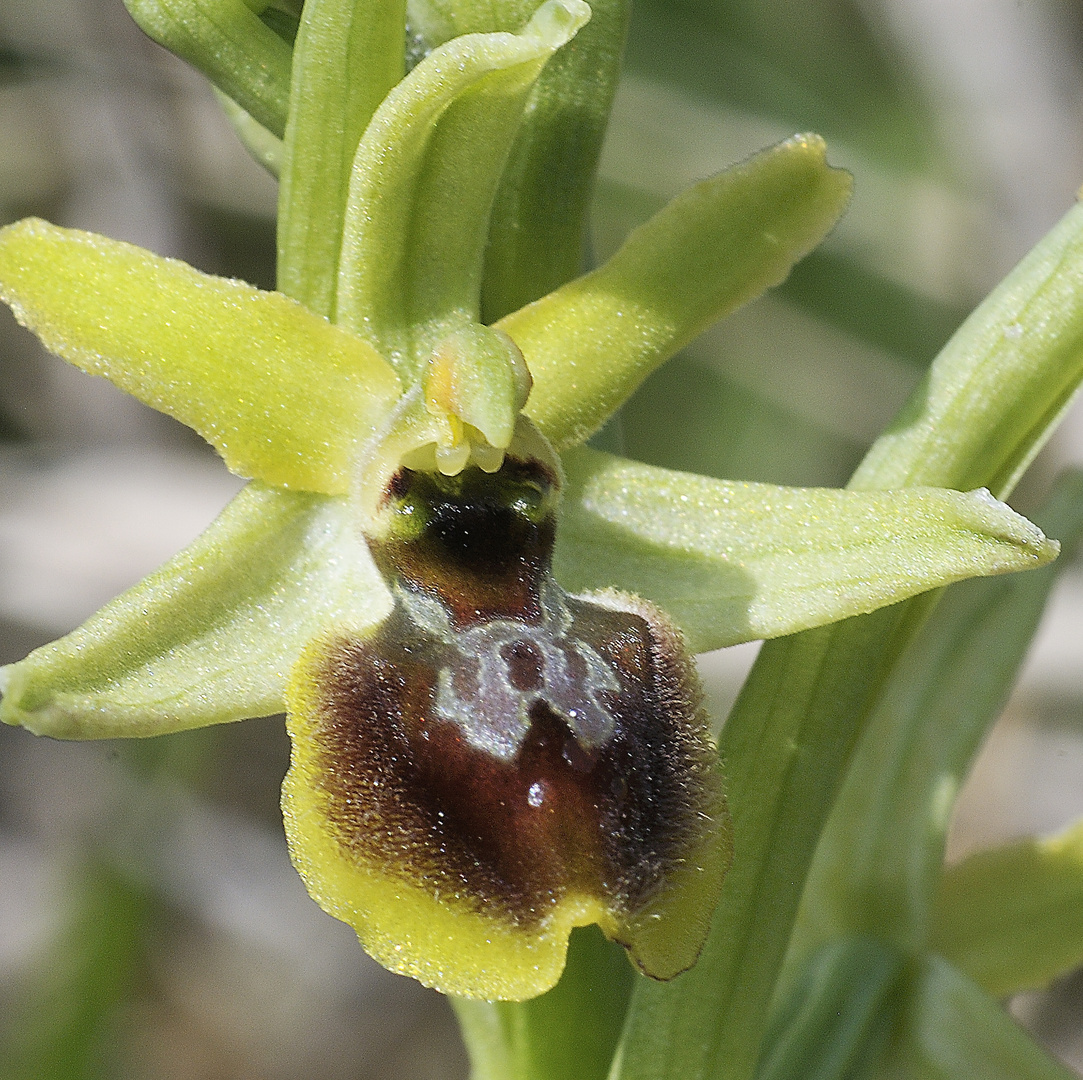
<point>718,245</point>
<point>283,395</point>
<point>732,562</point>
<point>211,636</point>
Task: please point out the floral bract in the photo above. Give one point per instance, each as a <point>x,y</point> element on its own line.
<point>477,624</point>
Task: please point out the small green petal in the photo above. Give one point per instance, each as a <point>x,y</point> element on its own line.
<point>282,394</point>
<point>423,184</point>
<point>733,562</point>
<point>229,43</point>
<point>264,146</point>
<point>212,635</point>
<point>1012,919</point>
<point>437,21</point>
<point>715,247</point>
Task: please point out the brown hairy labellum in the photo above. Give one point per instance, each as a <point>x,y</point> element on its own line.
<point>528,759</point>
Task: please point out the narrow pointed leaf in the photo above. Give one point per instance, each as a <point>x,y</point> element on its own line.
<point>1023,346</point>
<point>837,1017</point>
<point>212,635</point>
<point>955,1031</point>
<point>720,244</point>
<point>282,394</point>
<point>423,184</point>
<point>537,234</point>
<point>228,42</point>
<point>346,58</point>
<point>1012,919</point>
<point>789,739</point>
<point>881,855</point>
<point>734,562</point>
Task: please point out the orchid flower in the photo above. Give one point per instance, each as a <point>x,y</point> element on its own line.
<point>478,626</point>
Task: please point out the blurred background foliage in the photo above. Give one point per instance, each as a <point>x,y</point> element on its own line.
<point>150,923</point>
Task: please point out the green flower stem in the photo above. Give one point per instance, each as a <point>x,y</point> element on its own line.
<point>347,57</point>
<point>590,343</point>
<point>955,1031</point>
<point>1012,918</point>
<point>569,1033</point>
<point>789,739</point>
<point>424,179</point>
<point>537,231</point>
<point>881,854</point>
<point>229,43</point>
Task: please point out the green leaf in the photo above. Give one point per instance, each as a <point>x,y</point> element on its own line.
<point>1012,919</point>
<point>347,57</point>
<point>283,395</point>
<point>789,739</point>
<point>837,1016</point>
<point>537,233</point>
<point>423,184</point>
<point>1023,346</point>
<point>953,1030</point>
<point>568,1033</point>
<point>715,247</point>
<point>733,562</point>
<point>881,855</point>
<point>229,43</point>
<point>211,636</point>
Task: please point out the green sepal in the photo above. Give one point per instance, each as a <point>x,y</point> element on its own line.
<point>1012,918</point>
<point>953,1030</point>
<point>423,184</point>
<point>231,45</point>
<point>538,228</point>
<point>347,57</point>
<point>713,248</point>
<point>212,635</point>
<point>733,562</point>
<point>282,394</point>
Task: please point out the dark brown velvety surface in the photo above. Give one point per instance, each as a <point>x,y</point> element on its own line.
<point>561,809</point>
